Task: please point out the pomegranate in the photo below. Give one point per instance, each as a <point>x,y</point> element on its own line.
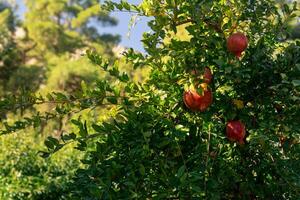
<point>197,102</point>
<point>236,131</point>
<point>237,43</point>
<point>207,75</point>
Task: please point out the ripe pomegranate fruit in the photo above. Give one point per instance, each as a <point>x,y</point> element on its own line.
<point>197,102</point>
<point>237,43</point>
<point>207,75</point>
<point>236,131</point>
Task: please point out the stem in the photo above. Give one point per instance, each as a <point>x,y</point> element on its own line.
<point>181,155</point>
<point>21,105</point>
<point>185,22</point>
<point>207,158</point>
<point>214,26</point>
<point>130,11</point>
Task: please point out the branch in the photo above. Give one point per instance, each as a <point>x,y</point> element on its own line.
<point>31,121</point>
<point>28,104</point>
<point>185,22</point>
<point>30,48</point>
<point>214,26</point>
<point>130,11</point>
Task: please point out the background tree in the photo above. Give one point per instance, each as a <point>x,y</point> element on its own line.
<point>60,32</point>
<point>39,55</point>
<point>9,52</point>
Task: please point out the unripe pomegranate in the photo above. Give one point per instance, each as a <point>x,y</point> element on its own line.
<point>197,102</point>
<point>237,43</point>
<point>236,131</point>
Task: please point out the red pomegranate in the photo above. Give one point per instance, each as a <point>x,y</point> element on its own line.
<point>237,43</point>
<point>207,75</point>
<point>236,131</point>
<point>197,102</point>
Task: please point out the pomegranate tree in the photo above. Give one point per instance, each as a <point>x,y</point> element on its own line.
<point>152,148</point>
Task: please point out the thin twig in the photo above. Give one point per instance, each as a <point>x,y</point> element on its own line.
<point>185,22</point>
<point>216,27</point>
<point>20,105</point>
<point>207,158</point>
<point>129,11</point>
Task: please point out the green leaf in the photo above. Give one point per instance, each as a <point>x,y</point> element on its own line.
<point>112,100</point>
<point>60,96</point>
<point>116,91</point>
<point>84,88</point>
<point>181,171</point>
<point>98,128</point>
<point>183,177</point>
<point>296,83</point>
<point>197,188</point>
<point>50,97</point>
<point>295,6</point>
<point>83,130</point>
<point>53,140</point>
<point>49,144</point>
<point>286,9</point>
<point>66,137</point>
<point>181,128</point>
<point>44,154</point>
<point>125,5</point>
<point>76,122</point>
<point>81,145</point>
<point>124,77</point>
<point>142,169</point>
<point>114,71</point>
<point>228,69</point>
<point>219,62</point>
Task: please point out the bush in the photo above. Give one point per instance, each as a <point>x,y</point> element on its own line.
<point>26,175</point>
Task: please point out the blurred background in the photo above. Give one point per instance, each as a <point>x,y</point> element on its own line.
<point>128,38</point>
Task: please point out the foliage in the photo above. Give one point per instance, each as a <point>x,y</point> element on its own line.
<point>293,25</point>
<point>35,59</point>
<point>64,25</point>
<point>61,31</point>
<point>9,54</point>
<point>24,175</point>
<point>153,147</point>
